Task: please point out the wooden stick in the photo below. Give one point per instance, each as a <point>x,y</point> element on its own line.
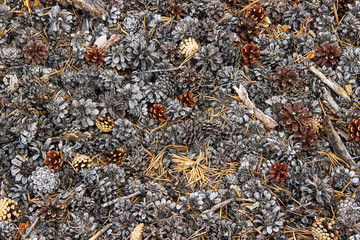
<point>117,199</point>
<point>160,70</point>
<point>104,229</point>
<point>226,202</point>
<point>31,228</point>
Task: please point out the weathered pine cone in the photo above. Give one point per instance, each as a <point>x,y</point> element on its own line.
<point>250,53</point>
<point>118,155</point>
<point>327,55</point>
<point>294,116</point>
<point>54,159</point>
<point>157,112</point>
<point>285,79</point>
<point>105,123</point>
<point>188,99</point>
<point>8,209</point>
<point>256,12</point>
<point>51,209</point>
<point>95,56</point>
<point>36,52</point>
<point>354,129</point>
<point>81,161</point>
<point>322,229</point>
<point>307,136</point>
<point>279,171</point>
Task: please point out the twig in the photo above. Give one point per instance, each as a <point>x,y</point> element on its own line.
<point>337,144</point>
<point>31,228</point>
<point>117,199</point>
<point>331,84</point>
<point>226,202</point>
<point>104,229</point>
<point>334,107</point>
<point>160,70</point>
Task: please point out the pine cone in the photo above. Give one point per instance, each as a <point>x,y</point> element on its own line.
<point>343,6</point>
<point>307,136</point>
<point>95,56</point>
<point>322,229</point>
<point>256,12</point>
<point>294,116</point>
<point>157,112</point>
<point>105,123</point>
<point>81,161</point>
<point>54,159</point>
<point>118,155</point>
<point>188,47</point>
<point>354,129</point>
<point>247,28</point>
<point>327,55</point>
<point>236,2</point>
<point>285,79</point>
<point>188,99</point>
<point>279,171</point>
<point>51,209</point>
<point>175,11</point>
<point>250,53</point>
<point>36,52</point>
<point>8,210</point>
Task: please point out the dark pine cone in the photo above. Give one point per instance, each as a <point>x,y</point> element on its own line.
<point>188,99</point>
<point>118,155</point>
<point>294,116</point>
<point>157,112</point>
<point>354,129</point>
<point>250,53</point>
<point>51,209</point>
<point>54,159</point>
<point>247,28</point>
<point>327,55</point>
<point>175,11</point>
<point>105,123</point>
<point>95,55</point>
<point>343,6</point>
<point>256,12</point>
<point>81,161</point>
<point>236,2</point>
<point>285,79</point>
<point>307,136</point>
<point>8,209</point>
<point>36,52</point>
<point>279,171</point>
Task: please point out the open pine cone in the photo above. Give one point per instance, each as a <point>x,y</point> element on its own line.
<point>51,209</point>
<point>294,116</point>
<point>327,55</point>
<point>354,129</point>
<point>279,171</point>
<point>8,209</point>
<point>250,53</point>
<point>95,56</point>
<point>256,12</point>
<point>157,112</point>
<point>285,79</point>
<point>54,159</point>
<point>36,52</point>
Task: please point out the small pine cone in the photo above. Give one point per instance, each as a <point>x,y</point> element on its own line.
<point>157,112</point>
<point>354,129</point>
<point>105,123</point>
<point>343,6</point>
<point>118,155</point>
<point>322,229</point>
<point>279,171</point>
<point>250,53</point>
<point>327,55</point>
<point>188,99</point>
<point>51,209</point>
<point>175,11</point>
<point>307,136</point>
<point>8,210</point>
<point>256,12</point>
<point>36,52</point>
<point>294,116</point>
<point>95,56</point>
<point>285,79</point>
<point>54,159</point>
<point>247,28</point>
<point>188,47</point>
<point>81,161</point>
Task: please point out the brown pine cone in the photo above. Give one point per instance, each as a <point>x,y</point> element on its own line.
<point>279,171</point>
<point>8,209</point>
<point>188,99</point>
<point>157,112</point>
<point>307,136</point>
<point>250,53</point>
<point>285,79</point>
<point>118,155</point>
<point>54,159</point>
<point>247,28</point>
<point>327,55</point>
<point>294,116</point>
<point>81,161</point>
<point>354,129</point>
<point>51,209</point>
<point>175,11</point>
<point>105,123</point>
<point>36,52</point>
<point>95,56</point>
<point>256,12</point>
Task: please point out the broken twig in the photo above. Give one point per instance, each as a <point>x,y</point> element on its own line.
<point>104,229</point>
<point>31,228</point>
<point>226,202</point>
<point>117,199</point>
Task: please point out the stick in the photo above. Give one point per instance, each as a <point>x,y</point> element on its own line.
<point>31,228</point>
<point>330,101</point>
<point>160,70</point>
<point>104,229</point>
<point>226,202</point>
<point>331,84</point>
<point>117,199</point>
<point>337,144</point>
